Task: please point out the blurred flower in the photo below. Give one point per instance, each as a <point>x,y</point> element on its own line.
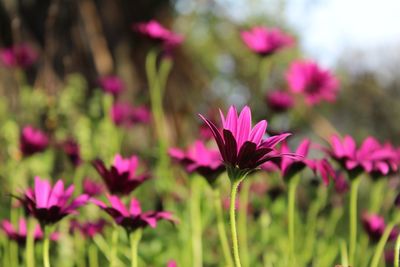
<point>341,184</point>
<point>32,140</point>
<point>242,148</point>
<point>50,204</point>
<point>375,225</point>
<point>124,114</point>
<point>198,158</point>
<point>322,168</point>
<point>71,149</point>
<point>92,188</point>
<point>20,235</point>
<point>279,101</point>
<point>133,218</point>
<point>158,33</point>
<point>88,229</point>
<point>266,41</point>
<point>111,84</point>
<point>121,177</point>
<point>172,263</point>
<point>21,56</point>
<point>315,83</point>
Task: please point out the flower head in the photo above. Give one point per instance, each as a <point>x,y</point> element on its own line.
<point>19,235</point>
<point>266,41</point>
<point>111,84</point>
<point>172,263</point>
<point>198,158</point>
<point>124,114</point>
<point>21,56</point>
<point>32,140</point>
<point>121,177</point>
<point>375,225</point>
<point>242,148</point>
<point>51,204</point>
<point>132,218</point>
<point>315,83</point>
<point>279,101</point>
<point>71,149</point>
<point>92,188</point>
<point>88,229</point>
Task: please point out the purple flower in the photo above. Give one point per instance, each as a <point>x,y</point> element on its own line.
<point>88,229</point>
<point>341,184</point>
<point>375,225</point>
<point>51,204</point>
<point>266,41</point>
<point>111,84</point>
<point>242,148</point>
<point>19,235</point>
<point>322,168</point>
<point>315,83</point>
<point>32,140</point>
<point>172,263</point>
<point>279,101</point>
<point>124,114</point>
<point>92,188</point>
<point>198,158</point>
<point>21,56</point>
<point>133,218</point>
<point>158,33</point>
<point>121,177</point>
<point>71,149</point>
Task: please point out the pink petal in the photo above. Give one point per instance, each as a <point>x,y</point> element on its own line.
<point>135,208</point>
<point>56,193</point>
<point>117,204</point>
<point>42,191</point>
<point>243,126</point>
<point>258,132</point>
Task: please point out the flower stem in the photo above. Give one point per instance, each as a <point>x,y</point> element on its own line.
<point>343,253</point>
<point>30,244</point>
<point>291,218</point>
<point>235,245</point>
<point>114,246</point>
<point>221,229</point>
<point>242,222</point>
<point>397,252</point>
<point>353,219</point>
<point>46,247</point>
<point>381,245</point>
<point>195,216</point>
<point>135,238</point>
<point>93,257</point>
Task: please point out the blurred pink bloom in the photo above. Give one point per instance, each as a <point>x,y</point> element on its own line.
<point>19,235</point>
<point>172,263</point>
<point>322,168</point>
<point>341,184</point>
<point>71,149</point>
<point>155,31</point>
<point>32,140</point>
<point>92,188</point>
<point>242,148</point>
<point>198,158</point>
<point>315,83</point>
<point>266,41</point>
<point>111,84</point>
<point>121,177</point>
<point>124,114</point>
<point>51,204</point>
<point>88,229</point>
<point>132,218</point>
<point>279,101</point>
<point>375,225</point>
<point>21,56</point>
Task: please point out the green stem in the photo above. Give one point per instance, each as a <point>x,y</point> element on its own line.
<point>381,245</point>
<point>397,252</point>
<point>135,238</point>
<point>195,216</point>
<point>114,247</point>
<point>92,255</point>
<point>242,222</point>
<point>376,199</point>
<point>46,247</point>
<point>291,216</point>
<point>343,253</point>
<point>235,245</point>
<point>353,219</point>
<point>221,229</point>
<point>30,244</point>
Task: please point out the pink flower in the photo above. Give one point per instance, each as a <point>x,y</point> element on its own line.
<point>111,84</point>
<point>315,83</point>
<point>279,101</point>
<point>266,41</point>
<point>242,148</point>
<point>51,204</point>
<point>121,177</point>
<point>19,235</point>
<point>71,149</point>
<point>21,56</point>
<point>322,168</point>
<point>198,158</point>
<point>375,225</point>
<point>341,184</point>
<point>88,229</point>
<point>92,188</point>
<point>133,218</point>
<point>124,114</point>
<point>155,31</point>
<point>172,263</point>
<point>32,140</point>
